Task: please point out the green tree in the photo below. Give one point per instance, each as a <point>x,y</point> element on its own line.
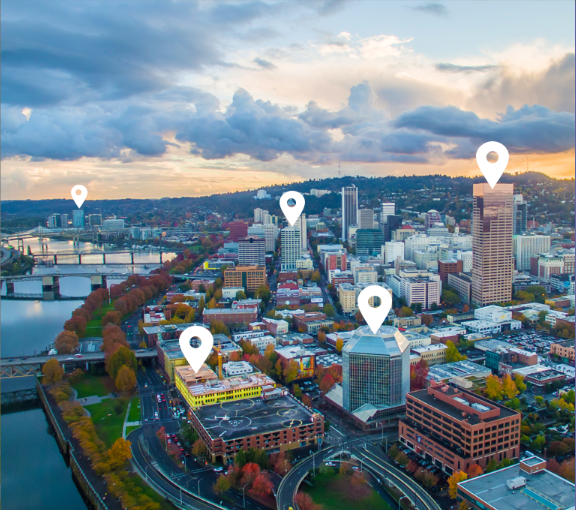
<point>452,353</point>
<point>492,465</point>
<point>329,310</point>
<point>222,485</point>
<point>120,357</point>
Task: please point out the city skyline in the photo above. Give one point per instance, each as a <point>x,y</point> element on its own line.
<point>228,97</point>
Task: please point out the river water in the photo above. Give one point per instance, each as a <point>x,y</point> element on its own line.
<point>34,472</point>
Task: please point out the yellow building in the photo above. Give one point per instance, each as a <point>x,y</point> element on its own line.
<point>204,388</point>
<point>249,277</point>
<point>433,354</point>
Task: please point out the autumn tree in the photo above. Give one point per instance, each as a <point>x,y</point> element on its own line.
<point>453,481</point>
<point>118,358</point>
<point>66,342</point>
<point>339,344</point>
<point>418,375</point>
<point>305,502</point>
<point>290,371</point>
<point>327,383</point>
<point>250,472</point>
<point>76,324</point>
<point>280,463</point>
<point>119,453</point>
<point>126,379</point>
<point>307,401</point>
<point>262,486</point>
<point>426,319</point>
<point>493,387</point>
<point>345,468</point>
<point>222,485</point>
<point>402,459</point>
<point>452,353</point>
<point>463,506</point>
<point>509,387</point>
<point>321,336</point>
<point>199,448</point>
<point>112,318</point>
<point>520,384</point>
<point>52,372</point>
<point>474,470</point>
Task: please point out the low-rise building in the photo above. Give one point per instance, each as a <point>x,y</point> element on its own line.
<point>462,369</point>
<point>276,422</point>
<point>564,350</point>
<point>235,368</point>
<point>527,485</point>
<point>231,292</point>
<point>169,356</point>
<point>462,283</point>
<point>453,428</point>
<point>276,327</point>
<point>443,335</point>
<point>294,339</point>
<point>538,376</point>
<point>230,316</point>
<point>407,322</point>
<point>433,354</point>
<point>166,332</point>
<point>247,277</point>
<point>304,358</point>
<point>312,322</point>
<point>204,388</point>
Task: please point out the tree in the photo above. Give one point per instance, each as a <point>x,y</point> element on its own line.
<point>316,277</point>
<point>297,391</point>
<point>345,468</point>
<point>327,383</point>
<point>509,387</point>
<point>520,384</point>
<point>117,359</point>
<point>426,319</point>
<point>240,459</point>
<point>474,470</point>
<point>280,463</point>
<point>493,387</point>
<point>538,443</point>
<point>77,324</point>
<point>290,371</point>
<point>262,485</point>
<point>250,472</point>
<point>453,481</point>
<point>199,448</point>
<point>418,374</point>
<point>402,459</point>
<point>304,502</point>
<point>126,379</point>
<point>222,485</point>
<point>492,465</point>
<point>463,506</point>
<point>119,453</point>
<point>112,318</point>
<point>452,353</point>
<point>307,401</point>
<point>428,479</point>
<point>240,295</point>
<point>339,344</point>
<point>66,342</point>
<point>329,310</point>
<point>52,372</point>
<point>321,336</point>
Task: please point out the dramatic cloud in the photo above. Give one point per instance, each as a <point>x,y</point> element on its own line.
<point>452,68</point>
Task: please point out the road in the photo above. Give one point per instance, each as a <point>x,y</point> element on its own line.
<point>373,459</point>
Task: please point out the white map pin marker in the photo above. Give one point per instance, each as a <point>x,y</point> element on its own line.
<point>196,356</point>
<point>293,212</point>
<point>492,171</point>
<point>374,317</point>
<point>79,197</point>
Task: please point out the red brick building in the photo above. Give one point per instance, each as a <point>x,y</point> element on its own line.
<point>454,428</point>
<point>238,230</point>
<point>449,267</point>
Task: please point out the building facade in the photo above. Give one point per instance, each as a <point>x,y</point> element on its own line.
<point>349,209</point>
<point>248,277</point>
<point>290,242</point>
<point>492,265</point>
<point>252,251</point>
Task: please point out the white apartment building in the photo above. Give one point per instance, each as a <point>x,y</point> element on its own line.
<point>270,236</point>
<point>416,242</point>
<point>416,287</point>
<point>114,224</point>
<point>366,218</point>
<point>234,368</point>
<point>426,258</point>
<point>388,209</point>
<point>392,250</point>
<point>524,247</point>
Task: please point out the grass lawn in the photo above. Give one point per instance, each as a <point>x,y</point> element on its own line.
<point>135,410</point>
<point>94,327</point>
<point>89,385</point>
<point>336,492</point>
<point>108,424</point>
<point>130,428</point>
<point>139,485</point>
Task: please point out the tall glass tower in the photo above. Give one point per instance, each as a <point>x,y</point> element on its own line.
<point>375,369</point>
<point>349,209</point>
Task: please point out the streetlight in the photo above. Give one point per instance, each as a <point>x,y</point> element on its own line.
<point>244,496</point>
<point>399,501</point>
<point>146,471</point>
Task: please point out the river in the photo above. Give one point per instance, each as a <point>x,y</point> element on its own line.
<point>34,472</point>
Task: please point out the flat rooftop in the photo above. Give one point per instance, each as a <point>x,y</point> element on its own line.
<point>455,412</point>
<point>207,383</point>
<point>457,369</point>
<point>543,490</point>
<point>250,416</point>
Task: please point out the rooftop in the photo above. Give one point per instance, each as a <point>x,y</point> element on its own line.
<point>386,341</point>
<point>250,416</point>
<point>457,369</point>
<point>543,490</point>
<point>207,383</point>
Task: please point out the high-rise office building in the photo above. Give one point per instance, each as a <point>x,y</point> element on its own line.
<point>526,247</point>
<point>252,251</point>
<point>388,208</point>
<point>95,220</point>
<point>366,218</point>
<point>369,241</point>
<point>393,222</point>
<point>375,371</point>
<point>301,226</point>
<point>270,235</point>
<point>520,215</point>
<point>53,221</point>
<point>258,215</point>
<point>349,209</point>
<point>64,221</point>
<point>78,218</point>
<point>392,250</point>
<point>431,217</point>
<point>492,243</point>
<point>290,242</point>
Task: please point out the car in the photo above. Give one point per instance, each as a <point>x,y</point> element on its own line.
<point>330,464</point>
<point>218,469</point>
<point>77,355</point>
<point>356,468</point>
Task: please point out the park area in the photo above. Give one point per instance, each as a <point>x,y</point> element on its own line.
<point>334,491</point>
<point>94,326</point>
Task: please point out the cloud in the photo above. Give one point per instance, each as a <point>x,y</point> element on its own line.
<point>452,68</point>
<point>329,7</point>
<point>435,9</point>
<point>529,129</point>
<point>266,64</point>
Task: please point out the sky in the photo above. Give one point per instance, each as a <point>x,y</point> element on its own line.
<point>147,99</point>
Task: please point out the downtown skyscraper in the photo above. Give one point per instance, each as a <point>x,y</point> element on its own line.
<point>349,209</point>
<point>492,265</point>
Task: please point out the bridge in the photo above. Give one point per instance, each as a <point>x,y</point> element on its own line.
<point>51,284</point>
<point>25,366</point>
<point>76,254</point>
